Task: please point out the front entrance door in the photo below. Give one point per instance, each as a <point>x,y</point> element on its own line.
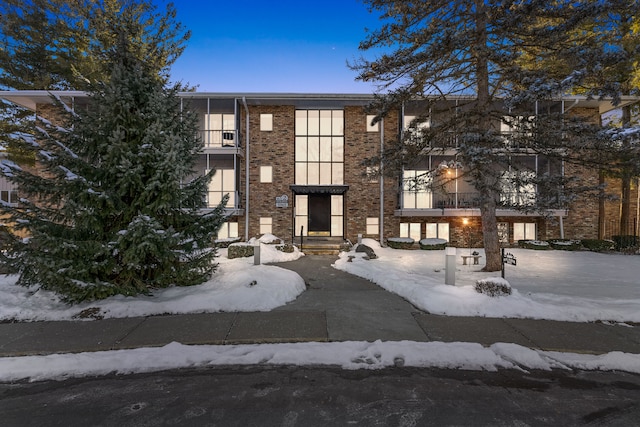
<point>319,215</point>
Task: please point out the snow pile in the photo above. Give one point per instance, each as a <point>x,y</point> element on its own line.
<point>348,355</point>
<point>237,285</point>
<point>555,285</point>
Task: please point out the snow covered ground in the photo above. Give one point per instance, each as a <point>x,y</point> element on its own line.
<point>238,285</point>
<point>555,285</point>
<point>577,286</point>
<point>348,355</point>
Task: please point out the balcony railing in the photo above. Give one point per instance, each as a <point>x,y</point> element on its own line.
<point>455,200</point>
<point>219,138</point>
<point>470,200</point>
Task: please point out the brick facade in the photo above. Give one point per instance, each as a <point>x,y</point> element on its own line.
<point>585,218</point>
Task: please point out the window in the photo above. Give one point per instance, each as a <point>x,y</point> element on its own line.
<point>266,225</point>
<point>372,127</point>
<point>503,232</point>
<point>518,188</point>
<point>373,173</point>
<point>228,230</point>
<point>438,230</point>
<point>266,122</point>
<point>417,190</point>
<point>302,214</point>
<point>266,174</point>
<point>524,231</point>
<point>337,217</point>
<point>411,230</point>
<point>373,225</point>
<point>319,147</point>
<point>223,182</point>
<point>414,129</point>
<point>219,130</point>
<point>9,196</point>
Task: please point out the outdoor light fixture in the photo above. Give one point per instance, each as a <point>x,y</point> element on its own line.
<point>465,221</point>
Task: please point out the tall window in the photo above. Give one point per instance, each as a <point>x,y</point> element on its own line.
<point>223,182</point>
<point>416,189</point>
<point>319,147</point>
<point>219,130</point>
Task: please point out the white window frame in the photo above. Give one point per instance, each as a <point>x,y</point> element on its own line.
<point>266,122</point>
<point>372,225</point>
<point>266,225</point>
<point>266,174</point>
<point>372,127</point>
<point>525,231</point>
<point>438,230</point>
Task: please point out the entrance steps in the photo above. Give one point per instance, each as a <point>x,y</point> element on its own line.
<point>322,245</point>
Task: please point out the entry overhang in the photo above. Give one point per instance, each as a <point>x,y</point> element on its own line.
<point>319,189</point>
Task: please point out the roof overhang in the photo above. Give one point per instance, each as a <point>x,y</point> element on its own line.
<point>319,189</point>
<point>31,98</point>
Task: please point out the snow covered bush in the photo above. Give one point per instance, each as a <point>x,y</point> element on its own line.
<point>534,244</point>
<point>493,286</point>
<point>596,245</point>
<point>625,242</point>
<point>432,244</point>
<point>113,204</point>
<point>565,244</point>
<point>287,248</point>
<point>400,242</point>
<point>224,243</point>
<point>367,250</point>
<point>240,250</point>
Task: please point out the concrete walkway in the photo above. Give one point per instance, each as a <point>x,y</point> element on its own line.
<point>337,306</point>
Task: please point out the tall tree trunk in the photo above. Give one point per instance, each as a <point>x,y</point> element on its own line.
<point>601,206</point>
<point>489,196</point>
<point>625,183</point>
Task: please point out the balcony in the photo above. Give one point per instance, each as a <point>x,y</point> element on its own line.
<point>227,140</point>
<point>467,204</point>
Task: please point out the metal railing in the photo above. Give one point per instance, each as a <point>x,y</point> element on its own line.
<point>219,138</point>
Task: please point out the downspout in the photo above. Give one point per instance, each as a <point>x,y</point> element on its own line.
<point>381,182</point>
<point>246,167</point>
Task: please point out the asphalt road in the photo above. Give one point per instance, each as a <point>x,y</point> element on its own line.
<point>302,396</point>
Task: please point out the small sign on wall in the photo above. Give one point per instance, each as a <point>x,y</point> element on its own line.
<point>282,201</point>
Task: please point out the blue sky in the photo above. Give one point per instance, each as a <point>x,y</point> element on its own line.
<point>272,46</point>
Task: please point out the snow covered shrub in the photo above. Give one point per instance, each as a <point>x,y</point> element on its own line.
<point>566,244</point>
<point>400,242</point>
<point>285,247</point>
<point>239,250</point>
<point>625,242</point>
<point>493,286</point>
<point>224,243</point>
<point>596,245</point>
<point>432,244</point>
<point>534,244</point>
<point>367,250</point>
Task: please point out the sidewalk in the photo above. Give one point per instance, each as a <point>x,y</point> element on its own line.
<point>337,306</point>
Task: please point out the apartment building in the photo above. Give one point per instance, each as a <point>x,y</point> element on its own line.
<point>293,166</point>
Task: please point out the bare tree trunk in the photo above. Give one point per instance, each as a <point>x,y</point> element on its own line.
<point>601,206</point>
<point>625,183</point>
<point>490,235</point>
<point>488,204</point>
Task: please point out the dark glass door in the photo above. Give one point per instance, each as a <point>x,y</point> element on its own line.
<point>319,214</point>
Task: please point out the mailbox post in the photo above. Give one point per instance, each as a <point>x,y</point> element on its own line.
<point>450,266</point>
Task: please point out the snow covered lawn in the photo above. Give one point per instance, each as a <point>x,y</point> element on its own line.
<point>555,285</point>
<point>348,355</point>
<point>238,285</point>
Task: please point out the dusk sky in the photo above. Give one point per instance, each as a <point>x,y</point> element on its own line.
<point>272,46</point>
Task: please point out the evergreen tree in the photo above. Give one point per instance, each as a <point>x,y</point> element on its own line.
<point>474,49</point>
<point>111,208</point>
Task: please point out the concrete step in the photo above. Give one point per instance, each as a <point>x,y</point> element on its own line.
<point>317,249</point>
